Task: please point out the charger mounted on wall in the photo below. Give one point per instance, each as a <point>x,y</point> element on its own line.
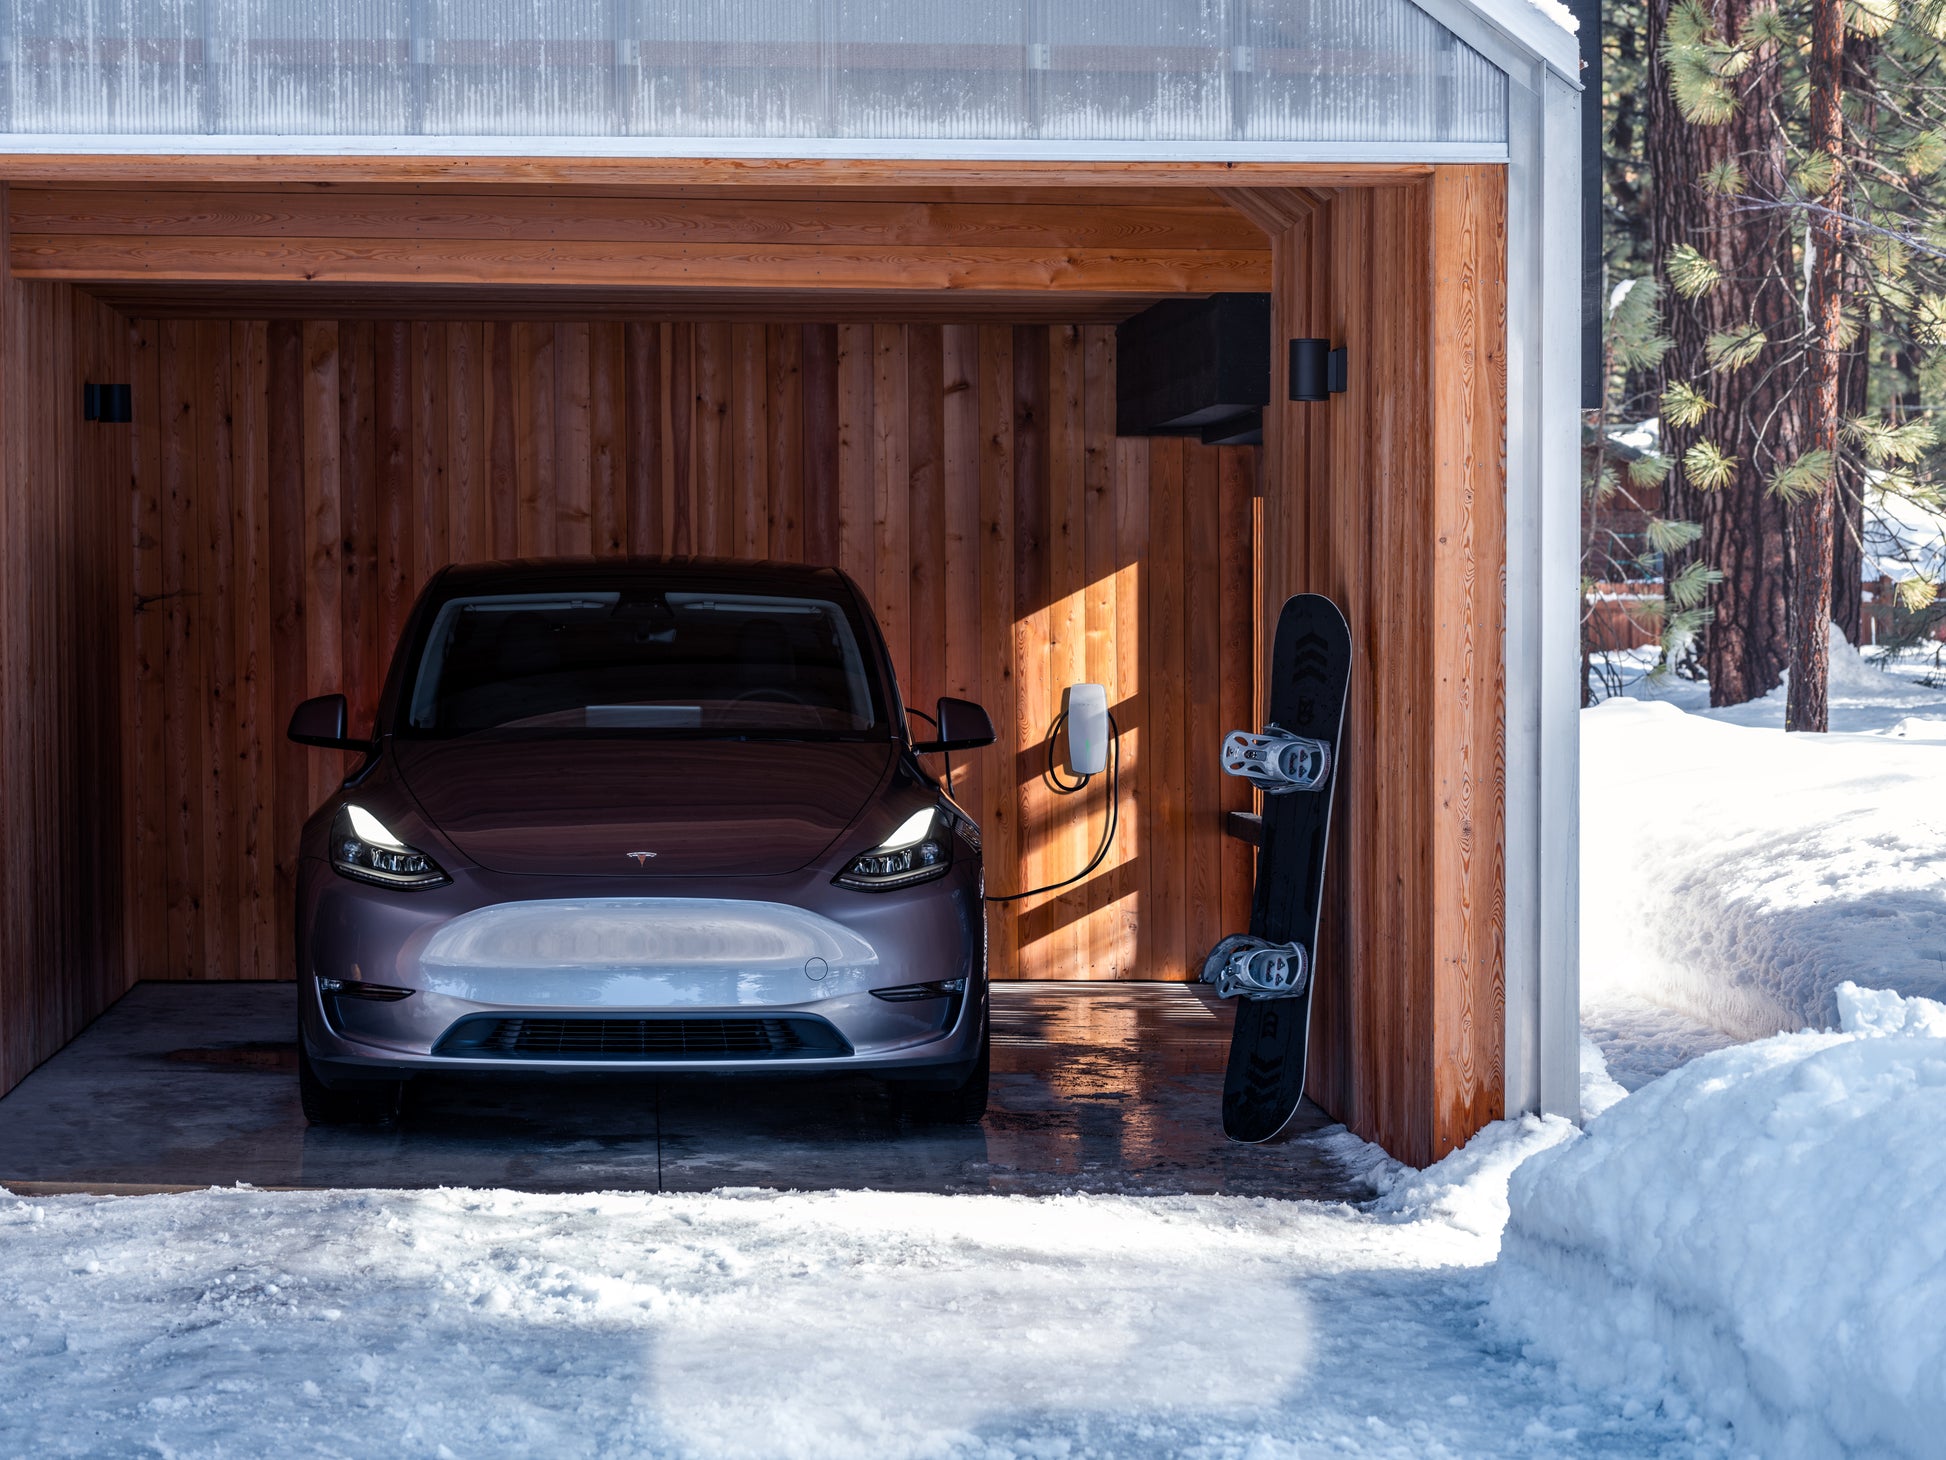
<point>1084,711</point>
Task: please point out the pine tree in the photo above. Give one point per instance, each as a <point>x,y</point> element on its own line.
<point>1811,299</point>
<point>1727,277</point>
<point>1622,485</point>
<point>1807,706</point>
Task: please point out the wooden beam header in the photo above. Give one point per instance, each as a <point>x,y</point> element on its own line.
<point>908,246</point>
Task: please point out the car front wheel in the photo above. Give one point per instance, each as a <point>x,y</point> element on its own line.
<point>964,1103</point>
<point>374,1104</point>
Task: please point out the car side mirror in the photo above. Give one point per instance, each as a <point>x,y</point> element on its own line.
<point>963,725</point>
<point>323,722</point>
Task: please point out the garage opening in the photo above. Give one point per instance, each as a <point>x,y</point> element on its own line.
<point>340,383</point>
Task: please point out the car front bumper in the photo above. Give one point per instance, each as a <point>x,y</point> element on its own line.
<point>791,954</point>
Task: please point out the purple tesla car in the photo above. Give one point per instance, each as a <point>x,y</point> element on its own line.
<point>642,816</point>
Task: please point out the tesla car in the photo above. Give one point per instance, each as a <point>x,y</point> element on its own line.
<point>641,817</point>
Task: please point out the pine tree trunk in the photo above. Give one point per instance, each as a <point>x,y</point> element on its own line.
<point>1854,378</point>
<point>1848,512</point>
<point>1807,706</point>
<point>1758,419</point>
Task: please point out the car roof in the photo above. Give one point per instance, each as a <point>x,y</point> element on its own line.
<point>728,574</point>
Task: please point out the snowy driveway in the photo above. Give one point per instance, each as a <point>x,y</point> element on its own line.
<point>764,1324</point>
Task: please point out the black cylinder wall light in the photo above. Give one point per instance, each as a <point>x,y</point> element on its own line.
<point>1317,371</point>
<point>112,405</point>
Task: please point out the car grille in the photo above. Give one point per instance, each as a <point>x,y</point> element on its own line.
<point>641,1038</point>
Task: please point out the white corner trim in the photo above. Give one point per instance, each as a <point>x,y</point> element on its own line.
<point>1523,24</point>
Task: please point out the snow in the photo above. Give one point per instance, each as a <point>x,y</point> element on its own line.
<point>1750,1235</point>
<point>1903,538</point>
<point>1555,11</point>
<point>1599,1087</point>
<point>1756,1239</point>
<point>1735,875</point>
<point>743,1323</point>
<point>1867,693</point>
<point>1637,1041</point>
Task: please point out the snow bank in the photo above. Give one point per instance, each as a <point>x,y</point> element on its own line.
<point>1739,874</point>
<point>1599,1089</point>
<point>1637,1041</point>
<point>1467,1190</point>
<point>1758,1237</point>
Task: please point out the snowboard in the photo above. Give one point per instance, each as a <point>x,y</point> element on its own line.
<point>1310,672</point>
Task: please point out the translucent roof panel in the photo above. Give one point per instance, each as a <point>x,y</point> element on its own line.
<point>1011,70</point>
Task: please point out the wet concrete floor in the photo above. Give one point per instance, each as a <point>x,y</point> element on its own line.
<point>1096,1087</point>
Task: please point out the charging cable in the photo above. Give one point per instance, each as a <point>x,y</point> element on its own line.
<point>1060,787</point>
<point>1051,778</point>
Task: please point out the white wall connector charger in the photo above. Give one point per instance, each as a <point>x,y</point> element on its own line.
<point>1086,708</point>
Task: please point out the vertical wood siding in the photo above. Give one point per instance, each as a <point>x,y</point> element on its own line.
<point>63,595</point>
<point>296,482</point>
<point>1391,498</point>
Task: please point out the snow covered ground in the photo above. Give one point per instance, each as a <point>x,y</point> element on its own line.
<point>1745,1258</point>
<point>1733,876</point>
<point>1757,1238</point>
<point>242,1323</point>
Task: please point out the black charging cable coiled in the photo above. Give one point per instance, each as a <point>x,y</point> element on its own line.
<point>1060,787</point>
<point>1051,778</point>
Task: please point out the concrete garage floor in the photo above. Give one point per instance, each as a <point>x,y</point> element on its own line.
<point>1096,1087</point>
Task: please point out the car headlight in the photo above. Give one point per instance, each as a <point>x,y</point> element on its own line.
<point>363,847</point>
<point>917,852</point>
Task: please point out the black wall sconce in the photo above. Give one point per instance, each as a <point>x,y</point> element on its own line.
<point>1317,371</point>
<point>112,405</point>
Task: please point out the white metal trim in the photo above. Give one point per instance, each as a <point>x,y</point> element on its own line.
<point>1543,536</point>
<point>1515,24</point>
<point>1558,441</point>
<point>1521,1058</point>
<point>769,149</point>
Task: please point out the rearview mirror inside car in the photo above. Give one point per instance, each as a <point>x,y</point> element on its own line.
<point>963,725</point>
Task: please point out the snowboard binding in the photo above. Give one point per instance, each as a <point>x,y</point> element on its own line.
<point>1245,967</point>
<point>1277,762</point>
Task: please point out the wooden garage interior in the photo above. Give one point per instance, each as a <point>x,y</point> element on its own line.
<point>348,372</point>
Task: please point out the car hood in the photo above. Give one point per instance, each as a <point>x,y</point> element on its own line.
<point>586,807</point>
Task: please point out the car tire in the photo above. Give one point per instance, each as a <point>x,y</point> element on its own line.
<point>373,1104</point>
<point>961,1104</point>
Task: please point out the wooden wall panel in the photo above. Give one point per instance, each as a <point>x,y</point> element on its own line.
<point>1391,498</point>
<point>64,542</point>
<point>314,473</point>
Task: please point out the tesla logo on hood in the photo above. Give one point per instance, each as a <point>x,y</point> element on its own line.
<point>641,858</point>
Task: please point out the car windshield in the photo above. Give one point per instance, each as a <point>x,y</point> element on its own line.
<point>651,661</point>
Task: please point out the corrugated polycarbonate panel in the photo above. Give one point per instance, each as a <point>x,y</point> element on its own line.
<point>937,68</point>
<point>1365,70</point>
<point>277,67</point>
<point>106,66</point>
<point>1162,71</point>
<point>726,68</point>
<point>517,67</point>
<point>1329,71</point>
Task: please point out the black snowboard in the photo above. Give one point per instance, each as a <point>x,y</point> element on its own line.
<point>1310,668</point>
